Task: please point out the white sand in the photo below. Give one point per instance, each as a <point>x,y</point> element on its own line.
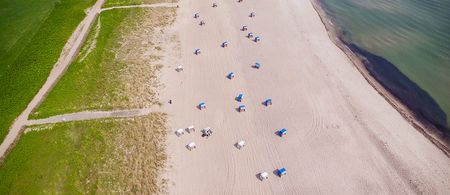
<point>343,137</point>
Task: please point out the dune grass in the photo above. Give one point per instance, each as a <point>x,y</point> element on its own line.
<point>32,36</point>
<point>85,82</point>
<point>102,156</point>
<point>112,3</point>
<point>116,73</point>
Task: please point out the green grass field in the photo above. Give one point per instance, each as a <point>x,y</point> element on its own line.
<point>32,36</point>
<point>98,156</point>
<point>113,72</point>
<point>93,80</point>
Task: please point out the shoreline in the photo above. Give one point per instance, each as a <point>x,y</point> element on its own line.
<point>342,135</point>
<point>428,129</point>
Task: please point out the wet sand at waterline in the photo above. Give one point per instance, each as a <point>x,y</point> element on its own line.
<point>343,137</point>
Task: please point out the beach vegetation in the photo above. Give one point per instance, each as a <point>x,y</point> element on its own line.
<point>86,157</point>
<point>119,72</point>
<point>112,3</point>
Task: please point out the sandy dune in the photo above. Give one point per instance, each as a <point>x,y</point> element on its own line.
<point>343,137</point>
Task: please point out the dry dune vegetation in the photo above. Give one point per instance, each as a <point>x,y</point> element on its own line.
<point>117,67</point>
<point>111,3</point>
<point>100,156</point>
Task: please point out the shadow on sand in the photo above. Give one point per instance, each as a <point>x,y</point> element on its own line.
<point>408,92</point>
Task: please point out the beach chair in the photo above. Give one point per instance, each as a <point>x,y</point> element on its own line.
<point>257,39</point>
<point>252,15</point>
<point>281,172</point>
<point>241,108</point>
<point>240,97</point>
<point>250,35</point>
<point>257,65</point>
<point>206,132</point>
<point>244,28</point>
<point>191,146</point>
<point>282,132</point>
<point>225,44</point>
<point>202,23</point>
<point>190,129</point>
<point>263,175</point>
<point>214,5</point>
<point>179,132</point>
<point>240,144</point>
<point>202,105</point>
<point>196,15</point>
<point>179,68</point>
<point>197,51</point>
<point>268,102</point>
<point>230,75</point>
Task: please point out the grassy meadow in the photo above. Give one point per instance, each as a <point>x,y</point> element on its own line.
<point>117,67</point>
<point>33,34</point>
<point>87,157</point>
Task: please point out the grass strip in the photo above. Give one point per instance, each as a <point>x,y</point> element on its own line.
<point>99,156</point>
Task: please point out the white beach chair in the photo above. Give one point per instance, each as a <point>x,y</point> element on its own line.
<point>179,68</point>
<point>191,146</point>
<point>263,176</point>
<point>190,129</point>
<point>206,132</point>
<point>179,132</point>
<point>240,144</point>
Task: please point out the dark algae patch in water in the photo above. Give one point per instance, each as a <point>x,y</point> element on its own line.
<point>405,46</point>
<point>409,93</point>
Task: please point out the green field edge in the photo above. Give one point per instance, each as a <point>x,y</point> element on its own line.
<point>86,157</point>
<point>25,75</point>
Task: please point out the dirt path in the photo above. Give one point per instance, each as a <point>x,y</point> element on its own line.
<point>70,51</point>
<point>90,115</point>
<point>142,6</point>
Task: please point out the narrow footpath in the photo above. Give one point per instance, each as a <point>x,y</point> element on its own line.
<point>90,115</point>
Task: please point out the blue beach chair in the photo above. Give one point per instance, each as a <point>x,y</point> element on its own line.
<point>281,172</point>
<point>202,105</point>
<point>241,108</point>
<point>268,102</point>
<point>230,75</point>
<point>240,97</point>
<point>282,132</point>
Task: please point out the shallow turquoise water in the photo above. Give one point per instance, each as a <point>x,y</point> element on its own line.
<point>414,35</point>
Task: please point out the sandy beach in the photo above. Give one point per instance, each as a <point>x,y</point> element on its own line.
<point>343,136</point>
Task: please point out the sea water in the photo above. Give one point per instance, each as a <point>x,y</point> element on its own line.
<point>412,35</point>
